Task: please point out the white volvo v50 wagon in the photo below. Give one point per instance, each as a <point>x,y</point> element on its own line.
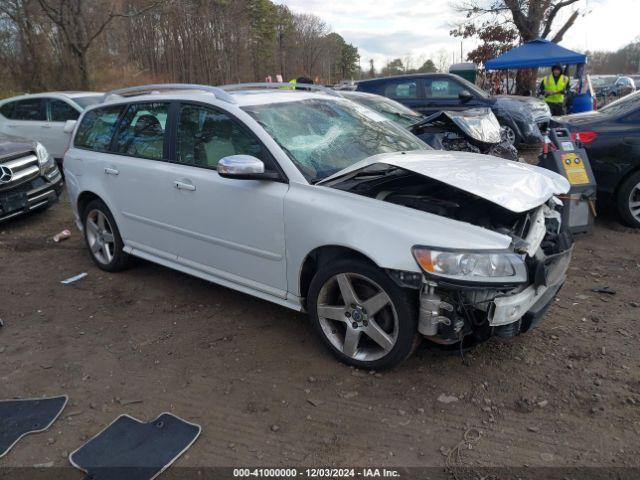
<point>316,203</point>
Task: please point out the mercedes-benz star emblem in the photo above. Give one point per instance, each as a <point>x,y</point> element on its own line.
<point>5,174</point>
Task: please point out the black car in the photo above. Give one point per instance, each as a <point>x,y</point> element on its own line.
<point>29,177</point>
<point>611,137</point>
<point>522,117</point>
<point>473,130</point>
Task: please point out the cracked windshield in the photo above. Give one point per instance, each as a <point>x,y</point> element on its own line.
<point>323,137</point>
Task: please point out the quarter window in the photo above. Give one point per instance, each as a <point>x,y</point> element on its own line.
<point>60,111</point>
<point>141,133</point>
<point>206,135</point>
<point>97,127</point>
<point>29,109</point>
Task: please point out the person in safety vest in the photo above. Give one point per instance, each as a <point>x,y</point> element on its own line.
<point>554,87</point>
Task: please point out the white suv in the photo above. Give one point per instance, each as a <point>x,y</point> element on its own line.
<point>316,203</point>
<point>42,117</point>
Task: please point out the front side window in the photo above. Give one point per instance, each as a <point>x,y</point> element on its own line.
<point>97,127</point>
<point>323,136</point>
<point>206,135</point>
<point>29,110</point>
<point>441,88</point>
<point>141,133</point>
<point>60,111</point>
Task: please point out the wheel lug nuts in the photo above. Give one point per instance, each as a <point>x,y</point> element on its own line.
<point>365,323</point>
<point>354,324</point>
<point>347,314</point>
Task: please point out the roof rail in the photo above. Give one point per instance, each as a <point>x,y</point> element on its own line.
<point>141,89</point>
<point>280,86</point>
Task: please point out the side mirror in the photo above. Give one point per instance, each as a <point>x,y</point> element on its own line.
<point>69,126</point>
<point>244,167</point>
<point>465,95</point>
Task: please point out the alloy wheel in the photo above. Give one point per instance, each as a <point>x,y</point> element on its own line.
<point>100,237</point>
<point>634,202</point>
<point>510,134</point>
<point>357,316</point>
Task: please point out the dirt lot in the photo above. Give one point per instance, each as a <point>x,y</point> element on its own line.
<point>267,393</point>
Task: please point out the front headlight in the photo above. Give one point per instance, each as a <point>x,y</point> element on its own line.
<point>44,159</point>
<point>469,266</point>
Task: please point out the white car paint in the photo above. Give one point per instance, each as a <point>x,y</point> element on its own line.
<point>494,179</point>
<point>254,236</point>
<point>51,134</point>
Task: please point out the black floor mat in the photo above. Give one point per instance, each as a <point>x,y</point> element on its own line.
<point>22,417</point>
<point>129,449</point>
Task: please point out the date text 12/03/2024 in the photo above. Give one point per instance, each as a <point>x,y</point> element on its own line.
<point>316,472</point>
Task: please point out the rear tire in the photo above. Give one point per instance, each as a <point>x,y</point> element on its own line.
<point>103,239</point>
<point>362,315</point>
<point>628,200</point>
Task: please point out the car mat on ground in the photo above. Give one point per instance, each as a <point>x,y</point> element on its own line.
<point>129,449</point>
<point>21,417</point>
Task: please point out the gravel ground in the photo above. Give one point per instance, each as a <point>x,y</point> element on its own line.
<point>267,393</point>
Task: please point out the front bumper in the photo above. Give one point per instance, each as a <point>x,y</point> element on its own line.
<point>551,273</point>
<point>39,192</point>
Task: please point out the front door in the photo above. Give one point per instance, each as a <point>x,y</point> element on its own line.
<point>232,229</point>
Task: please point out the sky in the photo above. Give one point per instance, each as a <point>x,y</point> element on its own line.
<point>387,29</point>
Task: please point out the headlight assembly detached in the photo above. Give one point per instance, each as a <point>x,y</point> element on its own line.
<point>472,267</point>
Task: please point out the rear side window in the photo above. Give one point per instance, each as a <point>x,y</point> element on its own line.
<point>206,135</point>
<point>97,128</point>
<point>60,111</point>
<point>141,132</point>
<point>407,89</point>
<point>29,109</point>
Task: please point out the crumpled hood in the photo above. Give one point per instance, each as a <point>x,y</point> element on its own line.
<point>515,186</point>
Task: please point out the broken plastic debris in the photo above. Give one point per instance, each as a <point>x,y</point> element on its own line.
<point>75,278</point>
<point>63,235</point>
<point>607,290</point>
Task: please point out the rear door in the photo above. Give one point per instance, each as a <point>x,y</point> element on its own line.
<point>408,91</point>
<point>58,112</point>
<point>26,118</point>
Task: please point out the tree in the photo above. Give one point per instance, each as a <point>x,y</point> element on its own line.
<point>427,67</point>
<point>81,22</point>
<point>393,67</point>
<point>500,24</point>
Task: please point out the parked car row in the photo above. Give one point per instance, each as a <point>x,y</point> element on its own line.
<point>406,243</point>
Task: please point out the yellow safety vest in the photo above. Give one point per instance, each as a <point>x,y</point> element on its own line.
<point>558,88</point>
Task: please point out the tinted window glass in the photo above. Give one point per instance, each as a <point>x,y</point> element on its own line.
<point>30,109</point>
<point>142,131</point>
<point>60,111</point>
<point>206,135</point>
<point>97,127</point>
<point>441,88</point>
<point>405,89</point>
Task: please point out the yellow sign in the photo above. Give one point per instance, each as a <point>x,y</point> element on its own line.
<point>574,169</point>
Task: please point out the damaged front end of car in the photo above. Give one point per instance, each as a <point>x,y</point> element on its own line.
<point>466,296</point>
<point>470,296</point>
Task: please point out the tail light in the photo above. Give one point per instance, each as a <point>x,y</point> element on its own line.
<point>584,137</point>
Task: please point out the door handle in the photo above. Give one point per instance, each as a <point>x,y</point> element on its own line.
<point>184,186</point>
<point>111,171</point>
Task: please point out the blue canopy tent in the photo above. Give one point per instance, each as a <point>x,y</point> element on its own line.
<point>536,53</point>
<point>544,53</point>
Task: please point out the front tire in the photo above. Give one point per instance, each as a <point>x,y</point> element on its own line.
<point>362,315</point>
<point>628,200</point>
<point>103,239</point>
